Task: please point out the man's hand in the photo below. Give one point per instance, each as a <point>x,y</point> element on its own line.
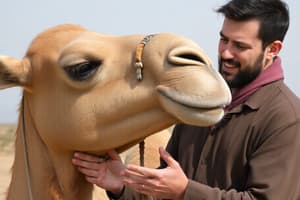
<point>168,183</point>
<point>103,173</point>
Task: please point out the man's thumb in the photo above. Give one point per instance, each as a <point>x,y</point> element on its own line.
<point>114,155</point>
<point>167,157</point>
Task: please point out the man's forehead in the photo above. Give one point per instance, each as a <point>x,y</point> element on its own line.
<point>240,30</point>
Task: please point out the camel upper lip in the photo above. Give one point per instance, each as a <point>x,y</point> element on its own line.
<point>191,101</point>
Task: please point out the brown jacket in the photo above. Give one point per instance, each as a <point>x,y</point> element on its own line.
<point>253,153</point>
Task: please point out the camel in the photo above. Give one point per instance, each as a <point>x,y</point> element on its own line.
<point>91,92</point>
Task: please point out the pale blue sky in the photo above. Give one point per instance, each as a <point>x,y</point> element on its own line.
<point>22,20</point>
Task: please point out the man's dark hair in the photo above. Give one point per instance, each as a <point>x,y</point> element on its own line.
<point>273,16</point>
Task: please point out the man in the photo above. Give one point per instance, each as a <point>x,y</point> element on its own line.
<point>253,152</point>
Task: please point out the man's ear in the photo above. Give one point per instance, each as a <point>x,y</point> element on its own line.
<point>273,49</point>
<point>14,72</point>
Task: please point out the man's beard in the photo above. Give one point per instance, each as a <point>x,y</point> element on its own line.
<point>245,75</point>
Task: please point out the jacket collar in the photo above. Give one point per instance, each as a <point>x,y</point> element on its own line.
<point>255,101</point>
<point>271,74</point>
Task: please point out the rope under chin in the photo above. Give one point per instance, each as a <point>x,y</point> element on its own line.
<point>142,153</point>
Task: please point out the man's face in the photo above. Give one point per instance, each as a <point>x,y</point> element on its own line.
<point>241,58</point>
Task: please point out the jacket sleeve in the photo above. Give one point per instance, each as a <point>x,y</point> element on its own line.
<point>129,194</point>
<point>273,171</point>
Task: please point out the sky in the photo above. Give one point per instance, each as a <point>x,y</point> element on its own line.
<point>21,21</point>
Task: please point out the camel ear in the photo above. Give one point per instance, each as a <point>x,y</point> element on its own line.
<point>14,72</point>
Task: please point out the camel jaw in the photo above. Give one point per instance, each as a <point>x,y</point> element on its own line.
<point>191,109</point>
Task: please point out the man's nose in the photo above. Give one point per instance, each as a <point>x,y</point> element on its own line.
<point>226,51</point>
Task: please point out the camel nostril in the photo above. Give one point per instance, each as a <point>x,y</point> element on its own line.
<point>184,56</point>
<point>191,56</point>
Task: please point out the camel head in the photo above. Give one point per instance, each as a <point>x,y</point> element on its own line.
<point>91,92</point>
<point>81,90</point>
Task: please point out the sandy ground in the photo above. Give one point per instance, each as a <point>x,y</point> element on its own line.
<point>6,162</point>
<point>6,156</point>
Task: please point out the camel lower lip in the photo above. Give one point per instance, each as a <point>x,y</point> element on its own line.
<point>194,100</point>
<point>193,107</point>
<point>198,116</point>
<point>189,102</point>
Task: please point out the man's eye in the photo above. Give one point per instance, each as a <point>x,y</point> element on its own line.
<point>241,47</point>
<point>224,40</point>
<point>82,71</point>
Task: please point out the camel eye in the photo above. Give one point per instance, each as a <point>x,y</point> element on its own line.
<point>82,71</point>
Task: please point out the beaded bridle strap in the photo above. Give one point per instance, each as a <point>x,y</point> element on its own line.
<point>138,57</point>
<point>139,76</point>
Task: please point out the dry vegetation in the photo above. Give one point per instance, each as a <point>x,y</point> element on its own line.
<point>7,137</point>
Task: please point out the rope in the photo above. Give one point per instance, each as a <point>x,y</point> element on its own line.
<point>27,170</point>
<point>138,57</point>
<point>142,153</point>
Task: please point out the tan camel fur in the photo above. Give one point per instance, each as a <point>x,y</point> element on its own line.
<point>81,94</point>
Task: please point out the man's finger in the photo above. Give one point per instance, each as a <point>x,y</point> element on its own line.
<point>86,164</point>
<point>89,172</point>
<point>87,157</point>
<point>113,155</point>
<point>167,157</point>
<point>133,175</point>
<point>147,172</point>
<point>92,180</point>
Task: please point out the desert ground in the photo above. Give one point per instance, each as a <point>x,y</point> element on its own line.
<point>7,137</point>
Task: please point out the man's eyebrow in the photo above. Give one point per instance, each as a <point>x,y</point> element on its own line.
<point>222,35</point>
<point>236,41</point>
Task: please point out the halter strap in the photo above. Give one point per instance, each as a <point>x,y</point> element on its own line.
<point>26,156</point>
<point>138,57</point>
